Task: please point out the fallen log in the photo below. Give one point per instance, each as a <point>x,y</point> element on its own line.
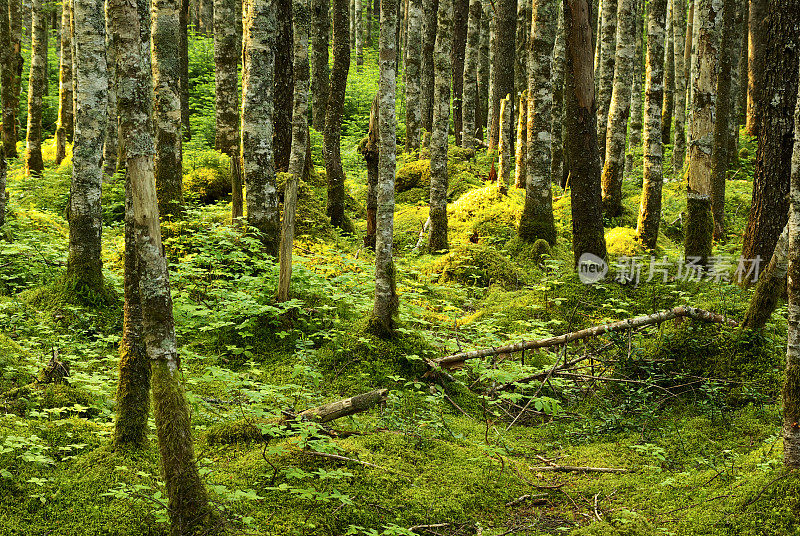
<point>573,469</point>
<point>595,331</point>
<point>343,408</point>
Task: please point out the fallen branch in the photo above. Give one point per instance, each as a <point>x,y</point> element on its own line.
<point>428,527</point>
<point>630,323</point>
<point>343,408</point>
<point>533,498</point>
<point>573,469</point>
<point>345,459</point>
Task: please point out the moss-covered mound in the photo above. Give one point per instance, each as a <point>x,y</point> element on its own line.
<point>207,185</point>
<point>478,265</point>
<point>239,431</point>
<point>485,215</point>
<point>15,365</point>
<point>622,241</point>
<point>413,181</point>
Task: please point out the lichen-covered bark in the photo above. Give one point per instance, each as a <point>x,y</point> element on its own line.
<point>521,148</point>
<point>481,109</point>
<point>756,53</point>
<point>358,13</point>
<point>284,84</point>
<point>490,110</point>
<point>84,262</point>
<point>64,127</point>
<point>431,8</point>
<point>9,75</point>
<point>258,160</point>
<point>333,119</point>
<point>386,301</point>
<point>437,239</point>
<point>371,151</point>
<point>523,29</point>
<point>297,160</point>
<point>650,204</point>
<point>184,51</point>
<point>583,156</point>
<point>460,16</point>
<point>614,165</point>
<point>771,286</point>
<point>637,109</point>
<point>111,142</point>
<point>471,108</point>
<point>791,386</point>
<point>15,19</point>
<point>503,54</point>
<point>36,83</point>
<point>679,132</point>
<point>669,75</point>
<point>557,174</point>
<point>413,75</point>
<point>737,47</point>
<point>505,149</point>
<point>769,206</point>
<point>537,216</point>
<point>604,68</point>
<point>320,78</point>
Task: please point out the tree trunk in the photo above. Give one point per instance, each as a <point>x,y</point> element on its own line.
<point>333,119</point>
<point>471,89</point>
<point>460,21</point>
<point>490,110</point>
<point>756,53</point>
<point>637,110</point>
<point>184,52</point>
<point>791,386</point>
<point>669,75</point>
<point>741,98</point>
<point>770,285</point>
<point>65,126</point>
<point>679,133</point>
<point>604,68</point>
<point>523,28</point>
<point>371,151</point>
<point>650,205</point>
<point>111,142</point>
<point>503,64</point>
<point>557,174</point>
<point>7,76</point>
<point>770,204</point>
<point>5,97</point>
<point>719,156</point>
<point>320,79</point>
<point>15,21</point>
<point>368,36</point>
<point>431,8</point>
<point>284,83</point>
<point>352,23</point>
<point>413,75</point>
<point>737,45</point>
<point>300,17</point>
<point>206,17</point>
<point>437,239</point>
<point>521,146</point>
<point>359,31</point>
<point>386,301</point>
<point>258,164</point>
<point>582,152</point>
<point>33,139</point>
<point>505,149</point>
<point>483,71</point>
<point>537,217</point>
<point>614,166</point>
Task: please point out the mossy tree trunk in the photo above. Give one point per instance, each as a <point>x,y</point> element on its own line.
<point>371,151</point>
<point>669,75</point>
<point>770,287</point>
<point>297,161</point>
<point>36,82</point>
<point>359,34</point>
<point>111,142</point>
<point>258,160</point>
<point>679,132</point>
<point>65,125</point>
<point>333,119</point>
<point>582,151</point>
<point>320,78</point>
<point>386,301</point>
<point>188,506</point>
<point>650,204</point>
<point>460,20</point>
<point>10,73</point>
<point>481,109</point>
<point>637,109</point>
<point>437,239</point>
<point>503,54</point>
<point>471,106</point>
<point>521,147</point>
<point>284,84</point>
<point>15,18</point>
<point>431,8</point>
<point>616,132</point>
<point>523,29</point>
<point>756,53</point>
<point>537,216</point>
<point>84,262</point>
<point>557,174</point>
<point>604,68</point>
<point>738,46</point>
<point>506,147</point>
<point>184,51</point>
<point>770,205</point>
<point>413,75</point>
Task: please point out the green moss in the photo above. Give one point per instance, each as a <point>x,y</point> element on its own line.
<point>240,431</point>
<point>622,241</point>
<point>63,293</point>
<point>310,218</point>
<point>15,365</point>
<point>207,185</point>
<point>478,265</point>
<point>415,174</point>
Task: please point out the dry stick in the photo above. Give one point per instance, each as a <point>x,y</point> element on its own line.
<point>677,312</point>
<point>573,469</point>
<point>522,499</point>
<point>596,513</point>
<point>427,527</point>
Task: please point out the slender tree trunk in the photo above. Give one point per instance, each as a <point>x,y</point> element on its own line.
<point>537,217</point>
<point>505,149</point>
<point>521,146</point>
<point>791,386</point>
<point>490,109</point>
<point>741,98</point>
<point>111,142</point>
<point>206,17</point>
<point>770,204</point>
<point>523,28</point>
<point>431,8</point>
<point>301,21</point>
<point>359,29</point>
<point>460,16</point>
<point>604,68</point>
<point>7,76</point>
<point>413,75</point>
<point>614,166</point>
<point>669,75</point>
<point>284,83</point>
<point>15,21</point>
<point>637,109</point>
<point>483,71</point>
<point>184,52</point>
<point>33,139</point>
<point>771,285</point>
<point>688,66</point>
<point>386,301</point>
<point>64,128</point>
<point>320,79</point>
<point>333,119</point>
<point>679,133</point>
<point>503,63</point>
<point>582,152</point>
<point>756,52</point>
<point>371,152</point>
<point>258,159</point>
<point>557,174</point>
<point>472,105</point>
<point>650,205</point>
<point>437,239</point>
<point>738,46</point>
<point>352,23</point>
<point>719,155</point>
<point>368,36</point>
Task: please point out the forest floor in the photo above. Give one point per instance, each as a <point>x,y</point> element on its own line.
<point>697,427</point>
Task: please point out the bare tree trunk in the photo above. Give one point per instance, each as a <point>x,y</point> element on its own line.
<point>258,159</point>
<point>184,54</point>
<point>537,216</point>
<point>431,8</point>
<point>756,52</point>
<point>437,239</point>
<point>370,17</point>
<point>669,75</point>
<point>386,301</point>
<point>770,287</point>
<point>614,166</point>
<point>521,147</point>
<point>333,119</point>
<point>741,98</point>
<point>33,139</point>
<point>483,71</point>
<point>604,68</point>
<point>460,16</point>
<point>505,149</point>
<point>490,110</point>
<point>359,29</point>
<point>557,173</point>
<point>15,26</point>
<point>111,142</point>
<point>503,64</point>
<point>637,109</point>
<point>737,46</point>
<point>472,104</point>
<point>650,205</point>
<point>371,151</point>
<point>413,75</point>
<point>320,78</point>
<point>284,83</point>
<point>7,81</point>
<point>679,133</point>
<point>523,29</point>
<point>582,152</point>
<point>64,128</point>
<point>770,204</point>
<point>352,23</point>
<point>206,18</point>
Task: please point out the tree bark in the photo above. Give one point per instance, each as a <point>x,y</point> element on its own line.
<point>636,109</point>
<point>756,52</point>
<point>738,46</point>
<point>503,63</point>
<point>472,104</point>
<point>521,146</point>
<point>184,52</point>
<point>429,32</point>
<point>206,13</point>
<point>679,132</point>
<point>506,147</point>
<point>481,109</point>
<point>413,75</point>
<point>437,239</point>
<point>770,287</point>
<point>258,159</point>
<point>11,73</point>
<point>36,82</point>
<point>614,166</point>
<point>359,34</point>
<point>320,80</point>
<point>460,21</point>
<point>284,83</point>
<point>582,152</point>
<point>557,169</point>
<point>333,119</point>
<point>523,28</point>
<point>348,406</point>
<point>15,20</point>
<point>650,205</point>
<point>111,142</point>
<point>537,220</point>
<point>604,68</point>
<point>669,75</point>
<point>371,152</point>
<point>65,126</point>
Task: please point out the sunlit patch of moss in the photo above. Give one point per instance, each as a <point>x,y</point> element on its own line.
<point>239,431</point>
<point>485,214</point>
<point>478,265</point>
<point>622,241</point>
